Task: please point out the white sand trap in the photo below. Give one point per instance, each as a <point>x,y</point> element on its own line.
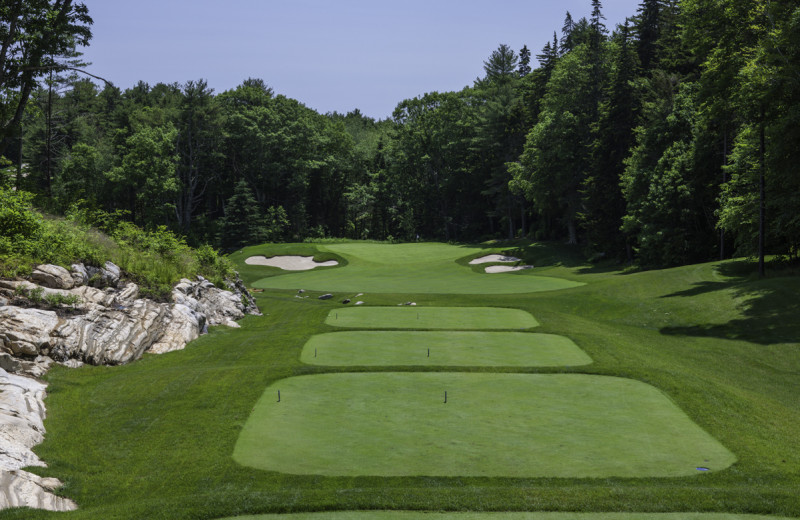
<point>289,263</point>
<point>507,268</point>
<point>494,258</point>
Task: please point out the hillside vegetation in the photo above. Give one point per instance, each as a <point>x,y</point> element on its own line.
<point>155,259</point>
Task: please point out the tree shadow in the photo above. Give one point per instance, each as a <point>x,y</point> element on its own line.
<point>770,312</point>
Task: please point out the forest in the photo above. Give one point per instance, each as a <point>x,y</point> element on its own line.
<point>670,139</point>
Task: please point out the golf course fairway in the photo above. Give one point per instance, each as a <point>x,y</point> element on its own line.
<point>510,425</point>
<point>460,318</point>
<point>442,348</point>
<point>419,268</point>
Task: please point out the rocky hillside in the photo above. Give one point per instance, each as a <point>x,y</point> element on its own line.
<point>88,314</point>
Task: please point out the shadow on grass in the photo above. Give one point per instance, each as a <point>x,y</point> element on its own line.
<point>769,312</point>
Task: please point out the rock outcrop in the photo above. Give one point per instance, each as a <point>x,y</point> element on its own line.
<point>22,415</point>
<point>105,323</point>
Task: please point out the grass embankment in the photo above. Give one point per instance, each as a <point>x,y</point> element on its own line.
<point>155,439</point>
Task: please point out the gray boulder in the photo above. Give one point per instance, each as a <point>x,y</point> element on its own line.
<point>26,332</point>
<point>105,336</point>
<point>79,274</point>
<point>106,276</point>
<point>326,297</point>
<point>52,276</point>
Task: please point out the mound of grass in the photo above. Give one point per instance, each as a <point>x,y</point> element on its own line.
<point>501,425</point>
<point>438,348</point>
<point>417,317</point>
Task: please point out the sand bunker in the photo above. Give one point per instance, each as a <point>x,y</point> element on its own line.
<point>494,258</point>
<point>507,268</point>
<point>289,263</point>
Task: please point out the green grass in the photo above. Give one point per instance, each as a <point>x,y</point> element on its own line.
<point>438,348</point>
<point>500,425</point>
<point>155,439</point>
<point>418,317</point>
<point>409,515</point>
<point>419,268</point>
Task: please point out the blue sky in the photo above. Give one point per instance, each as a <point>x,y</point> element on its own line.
<point>333,55</point>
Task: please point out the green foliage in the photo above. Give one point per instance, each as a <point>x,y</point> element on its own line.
<point>146,176</point>
<point>58,300</point>
<point>35,294</point>
<point>20,228</point>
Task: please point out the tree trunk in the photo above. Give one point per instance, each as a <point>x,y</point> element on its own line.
<point>573,232</point>
<point>761,197</point>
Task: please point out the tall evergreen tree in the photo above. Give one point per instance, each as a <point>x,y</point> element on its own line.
<point>524,61</point>
<point>567,41</point>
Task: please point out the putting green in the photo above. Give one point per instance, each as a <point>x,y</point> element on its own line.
<point>409,268</point>
<point>458,318</point>
<point>439,348</point>
<point>423,515</point>
<point>509,425</point>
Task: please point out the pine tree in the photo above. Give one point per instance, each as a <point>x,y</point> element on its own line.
<point>567,41</point>
<point>524,61</point>
<point>648,30</point>
<point>243,223</point>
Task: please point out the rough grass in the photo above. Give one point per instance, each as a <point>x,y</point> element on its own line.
<point>471,425</point>
<point>424,317</point>
<point>442,348</point>
<point>410,515</point>
<point>155,439</point>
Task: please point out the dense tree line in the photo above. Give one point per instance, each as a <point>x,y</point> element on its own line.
<point>670,139</point>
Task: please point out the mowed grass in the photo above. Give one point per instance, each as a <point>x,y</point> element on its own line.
<point>473,425</point>
<point>442,348</point>
<point>419,268</point>
<point>419,317</point>
<point>154,439</point>
<point>416,515</point>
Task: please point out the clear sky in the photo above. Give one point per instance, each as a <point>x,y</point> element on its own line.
<point>331,55</point>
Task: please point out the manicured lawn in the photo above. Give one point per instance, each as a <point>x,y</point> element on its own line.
<point>155,439</point>
<point>442,348</point>
<point>411,515</point>
<point>419,268</point>
<point>457,318</point>
<point>488,425</point>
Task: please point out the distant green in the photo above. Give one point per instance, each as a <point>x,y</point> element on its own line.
<point>420,268</point>
<point>418,317</point>
<point>442,348</point>
<point>491,425</point>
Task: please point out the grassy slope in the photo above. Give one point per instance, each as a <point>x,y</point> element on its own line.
<point>154,439</point>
